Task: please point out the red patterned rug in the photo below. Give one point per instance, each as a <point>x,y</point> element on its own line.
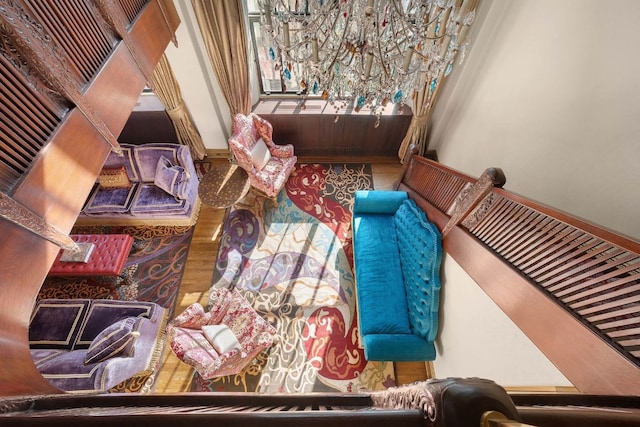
<point>297,270</point>
<point>155,264</point>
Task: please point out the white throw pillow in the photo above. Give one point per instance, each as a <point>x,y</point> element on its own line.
<point>221,338</point>
<point>260,154</point>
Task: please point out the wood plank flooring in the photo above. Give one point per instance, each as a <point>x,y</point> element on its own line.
<point>174,375</point>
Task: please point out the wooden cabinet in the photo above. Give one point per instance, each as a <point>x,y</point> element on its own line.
<point>321,130</point>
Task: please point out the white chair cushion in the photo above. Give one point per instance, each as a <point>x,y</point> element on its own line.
<point>260,154</point>
<point>221,338</point>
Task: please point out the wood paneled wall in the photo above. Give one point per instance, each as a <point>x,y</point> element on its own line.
<point>318,129</point>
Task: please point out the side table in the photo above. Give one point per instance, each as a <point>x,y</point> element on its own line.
<point>107,259</point>
<point>224,185</point>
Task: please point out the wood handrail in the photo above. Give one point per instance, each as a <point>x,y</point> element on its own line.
<point>72,108</point>
<point>571,286</point>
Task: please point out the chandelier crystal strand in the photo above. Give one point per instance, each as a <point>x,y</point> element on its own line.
<point>369,52</point>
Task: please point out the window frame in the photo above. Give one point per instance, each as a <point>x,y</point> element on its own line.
<point>253,20</point>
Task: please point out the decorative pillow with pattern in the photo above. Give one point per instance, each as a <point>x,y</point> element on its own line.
<point>115,177</point>
<point>116,340</point>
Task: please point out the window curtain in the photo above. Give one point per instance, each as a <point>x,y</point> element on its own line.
<point>166,87</point>
<point>426,97</point>
<point>225,36</point>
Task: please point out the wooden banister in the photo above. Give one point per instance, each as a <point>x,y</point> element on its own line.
<point>62,95</point>
<point>571,286</point>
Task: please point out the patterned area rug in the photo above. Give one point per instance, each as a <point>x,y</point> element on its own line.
<point>155,264</point>
<point>297,272</point>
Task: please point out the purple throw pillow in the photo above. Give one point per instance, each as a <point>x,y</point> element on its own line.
<point>115,340</point>
<point>171,178</point>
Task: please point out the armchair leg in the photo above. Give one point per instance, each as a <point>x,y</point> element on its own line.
<point>262,194</point>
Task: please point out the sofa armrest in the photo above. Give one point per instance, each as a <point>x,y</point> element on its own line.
<point>186,161</point>
<point>378,201</point>
<point>281,151</point>
<point>398,348</point>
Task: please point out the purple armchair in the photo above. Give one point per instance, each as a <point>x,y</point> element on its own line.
<point>268,165</point>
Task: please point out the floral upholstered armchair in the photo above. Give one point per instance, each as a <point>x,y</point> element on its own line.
<point>268,165</point>
<point>218,355</point>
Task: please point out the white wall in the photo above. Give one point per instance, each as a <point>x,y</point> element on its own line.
<point>477,339</point>
<point>200,91</point>
<point>550,93</point>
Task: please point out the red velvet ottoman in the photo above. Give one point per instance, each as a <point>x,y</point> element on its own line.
<point>107,259</point>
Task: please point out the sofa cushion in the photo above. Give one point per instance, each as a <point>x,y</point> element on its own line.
<point>110,200</point>
<point>103,313</point>
<point>151,199</point>
<point>382,304</point>
<point>419,246</point>
<point>56,324</point>
<point>115,340</point>
<point>171,178</point>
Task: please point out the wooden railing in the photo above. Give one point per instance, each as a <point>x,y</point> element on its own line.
<point>224,409</point>
<point>466,407</point>
<point>132,8</point>
<point>571,286</point>
<point>70,74</point>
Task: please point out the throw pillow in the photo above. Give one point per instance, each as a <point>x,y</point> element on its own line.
<point>260,154</point>
<point>171,178</point>
<point>114,178</point>
<point>115,340</point>
<point>221,338</point>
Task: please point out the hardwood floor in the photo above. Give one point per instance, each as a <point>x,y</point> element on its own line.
<point>174,375</point>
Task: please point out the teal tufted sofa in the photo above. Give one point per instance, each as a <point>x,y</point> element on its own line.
<point>397,255</point>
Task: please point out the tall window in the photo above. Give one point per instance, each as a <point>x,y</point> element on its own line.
<point>269,60</point>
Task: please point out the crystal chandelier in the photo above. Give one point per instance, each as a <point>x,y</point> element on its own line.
<point>369,52</point>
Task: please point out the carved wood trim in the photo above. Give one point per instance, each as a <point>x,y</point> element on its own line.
<point>46,57</point>
<point>569,285</point>
<point>25,218</point>
<point>469,198</point>
<point>406,161</point>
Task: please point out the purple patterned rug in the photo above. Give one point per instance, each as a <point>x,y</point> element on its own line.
<point>296,268</point>
<point>156,265</point>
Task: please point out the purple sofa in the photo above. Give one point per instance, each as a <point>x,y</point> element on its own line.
<point>163,190</point>
<point>82,345</point>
